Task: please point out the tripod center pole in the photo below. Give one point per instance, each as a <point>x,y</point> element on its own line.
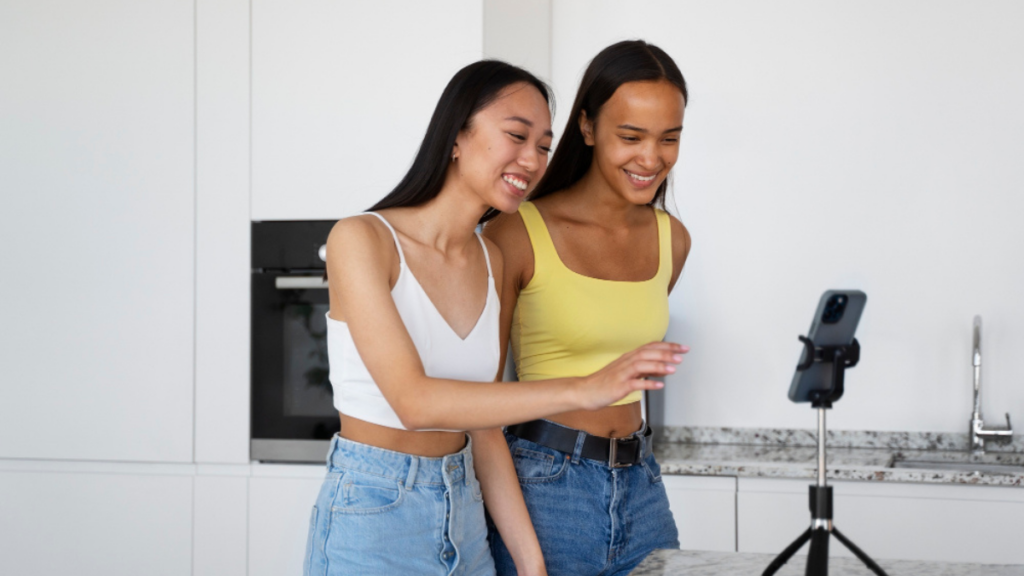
<point>821,447</point>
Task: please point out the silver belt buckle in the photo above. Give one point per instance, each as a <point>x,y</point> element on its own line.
<point>613,451</point>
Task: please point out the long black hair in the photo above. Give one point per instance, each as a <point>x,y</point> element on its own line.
<point>468,92</point>
<point>627,61</point>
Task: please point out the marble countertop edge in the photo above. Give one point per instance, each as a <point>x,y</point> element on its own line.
<point>792,437</point>
<point>869,474</point>
<point>858,457</point>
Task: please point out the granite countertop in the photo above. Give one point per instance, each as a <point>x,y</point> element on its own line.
<point>764,453</point>
<point>689,563</point>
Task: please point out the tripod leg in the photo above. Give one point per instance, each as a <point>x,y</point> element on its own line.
<point>859,553</point>
<point>817,559</point>
<point>786,554</point>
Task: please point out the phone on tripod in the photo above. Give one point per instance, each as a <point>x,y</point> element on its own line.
<point>834,324</point>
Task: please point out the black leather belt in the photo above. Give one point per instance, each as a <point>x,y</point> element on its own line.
<point>617,452</point>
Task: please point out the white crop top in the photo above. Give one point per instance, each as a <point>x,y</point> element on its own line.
<point>443,353</point>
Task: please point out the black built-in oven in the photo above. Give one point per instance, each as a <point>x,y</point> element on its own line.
<point>293,415</point>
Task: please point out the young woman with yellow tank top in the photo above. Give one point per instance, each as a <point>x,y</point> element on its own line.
<point>588,266</point>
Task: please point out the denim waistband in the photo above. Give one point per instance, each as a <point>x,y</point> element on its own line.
<point>411,469</point>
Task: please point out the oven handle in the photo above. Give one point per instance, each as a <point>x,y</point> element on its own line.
<point>299,282</point>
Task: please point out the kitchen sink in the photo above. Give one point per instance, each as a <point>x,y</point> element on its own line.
<point>980,467</point>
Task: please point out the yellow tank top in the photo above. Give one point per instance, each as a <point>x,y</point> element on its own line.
<point>566,324</point>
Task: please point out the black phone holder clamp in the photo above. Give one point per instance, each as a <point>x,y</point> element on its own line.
<point>841,358</point>
<point>822,529</point>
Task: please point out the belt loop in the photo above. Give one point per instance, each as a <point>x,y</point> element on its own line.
<point>642,435</point>
<point>467,459</point>
<point>577,450</point>
<point>330,451</point>
<point>410,479</point>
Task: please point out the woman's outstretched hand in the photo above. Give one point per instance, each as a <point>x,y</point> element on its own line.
<point>627,374</point>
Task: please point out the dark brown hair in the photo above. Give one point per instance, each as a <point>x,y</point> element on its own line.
<point>468,92</point>
<point>627,61</point>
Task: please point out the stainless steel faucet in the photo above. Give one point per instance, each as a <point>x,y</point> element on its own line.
<point>979,434</point>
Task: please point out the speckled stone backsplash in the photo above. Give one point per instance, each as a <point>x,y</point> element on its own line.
<point>836,438</point>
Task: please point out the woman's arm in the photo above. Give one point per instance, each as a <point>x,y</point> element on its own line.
<point>360,263</point>
<point>504,500</point>
<point>680,249</point>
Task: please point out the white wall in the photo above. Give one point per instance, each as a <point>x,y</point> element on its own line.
<point>508,22</point>
<point>871,145</point>
<point>341,95</point>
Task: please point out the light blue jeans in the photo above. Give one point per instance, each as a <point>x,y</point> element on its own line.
<point>389,513</point>
<point>591,519</point>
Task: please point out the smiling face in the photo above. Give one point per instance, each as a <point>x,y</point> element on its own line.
<point>504,151</point>
<point>636,138</point>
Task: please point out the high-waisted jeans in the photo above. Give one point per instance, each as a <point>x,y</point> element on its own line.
<point>388,513</point>
<point>591,519</point>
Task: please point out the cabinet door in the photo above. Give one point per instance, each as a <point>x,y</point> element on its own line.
<point>223,253</point>
<point>770,513</point>
<point>220,525</point>
<point>281,501</point>
<point>95,523</point>
<point>704,508</point>
<point>954,523</point>
<point>97,184</point>
<point>341,96</point>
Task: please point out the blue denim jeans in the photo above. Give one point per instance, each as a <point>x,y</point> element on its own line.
<point>591,519</point>
<point>388,513</point>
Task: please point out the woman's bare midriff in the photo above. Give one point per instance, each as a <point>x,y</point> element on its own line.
<point>610,422</point>
<point>427,444</point>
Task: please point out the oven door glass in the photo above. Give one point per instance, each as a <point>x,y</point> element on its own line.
<point>307,391</point>
<point>292,396</point>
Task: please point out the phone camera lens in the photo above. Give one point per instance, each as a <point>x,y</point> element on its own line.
<point>834,308</point>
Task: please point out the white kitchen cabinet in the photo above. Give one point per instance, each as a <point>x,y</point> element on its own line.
<point>955,523</point>
<point>223,257</point>
<point>95,523</point>
<point>704,508</point>
<point>341,96</point>
<point>281,499</point>
<point>97,185</point>
<point>220,525</point>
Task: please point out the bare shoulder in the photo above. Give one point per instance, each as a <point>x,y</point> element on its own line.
<point>356,237</point>
<point>508,233</point>
<point>680,240</point>
<point>680,248</point>
<point>506,229</point>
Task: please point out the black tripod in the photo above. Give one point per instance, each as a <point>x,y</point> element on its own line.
<point>841,358</point>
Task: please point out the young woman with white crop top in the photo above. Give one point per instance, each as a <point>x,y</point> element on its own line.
<point>414,348</point>
<point>588,265</point>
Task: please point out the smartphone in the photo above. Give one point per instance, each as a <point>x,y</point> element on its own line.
<point>834,324</point>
